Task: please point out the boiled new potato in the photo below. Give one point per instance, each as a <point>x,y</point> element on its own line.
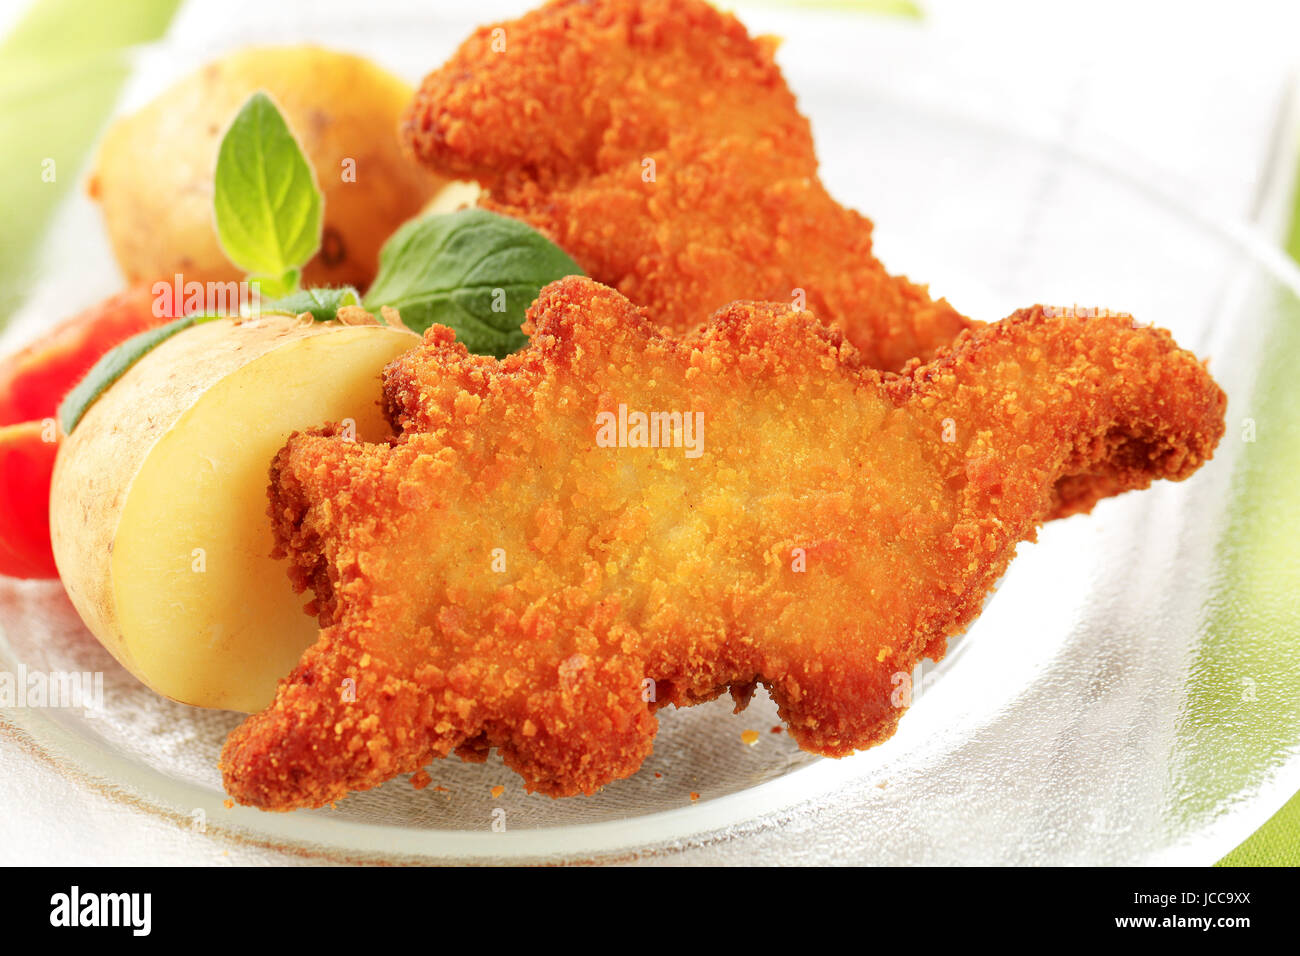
<point>158,508</point>
<point>155,169</point>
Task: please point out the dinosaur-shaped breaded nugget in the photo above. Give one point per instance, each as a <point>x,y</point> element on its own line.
<point>658,144</point>
<point>559,543</point>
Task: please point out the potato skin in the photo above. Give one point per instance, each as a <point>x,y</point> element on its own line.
<point>98,462</point>
<point>154,173</point>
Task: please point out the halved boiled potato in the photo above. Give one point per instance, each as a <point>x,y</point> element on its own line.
<point>158,510</point>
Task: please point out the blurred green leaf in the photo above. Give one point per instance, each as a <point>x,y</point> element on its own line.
<point>61,68</point>
<point>1262,575</point>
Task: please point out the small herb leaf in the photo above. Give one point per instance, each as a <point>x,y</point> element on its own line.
<point>277,287</point>
<point>472,271</point>
<point>321,303</point>
<point>268,207</point>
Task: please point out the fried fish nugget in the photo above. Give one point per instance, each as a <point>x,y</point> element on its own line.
<point>523,569</point>
<point>658,144</point>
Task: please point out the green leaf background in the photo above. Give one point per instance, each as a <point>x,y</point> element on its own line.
<point>57,87</point>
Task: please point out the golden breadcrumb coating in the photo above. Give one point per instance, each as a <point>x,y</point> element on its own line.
<point>658,144</point>
<point>496,576</point>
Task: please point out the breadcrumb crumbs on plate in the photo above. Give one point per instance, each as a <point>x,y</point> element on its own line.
<point>749,737</point>
<point>498,790</point>
<point>441,789</point>
<point>421,779</point>
<point>228,803</point>
<point>658,775</point>
<point>694,795</point>
<point>778,729</point>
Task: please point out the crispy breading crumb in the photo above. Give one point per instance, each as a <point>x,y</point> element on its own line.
<point>749,737</point>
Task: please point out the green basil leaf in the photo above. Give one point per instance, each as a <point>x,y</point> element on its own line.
<point>472,271</point>
<point>277,287</point>
<point>114,363</point>
<point>321,303</point>
<point>268,207</point>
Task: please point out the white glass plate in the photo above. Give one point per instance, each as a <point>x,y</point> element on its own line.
<point>1127,697</point>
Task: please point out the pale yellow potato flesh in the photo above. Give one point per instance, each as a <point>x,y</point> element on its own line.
<point>167,557</point>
